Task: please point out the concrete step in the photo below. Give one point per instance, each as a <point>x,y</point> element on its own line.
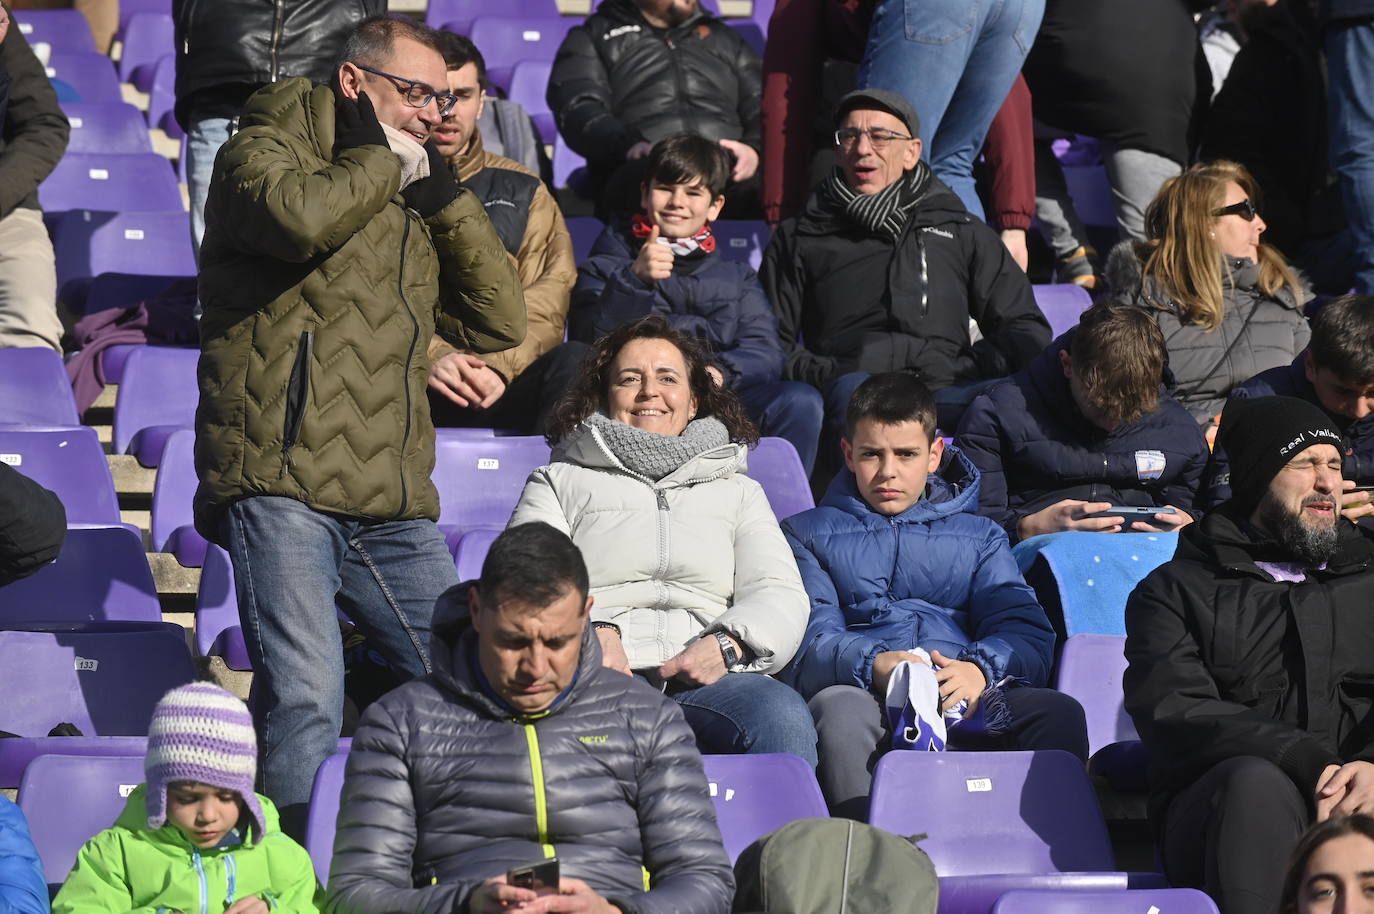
<point>172,577</point>
<point>132,480</point>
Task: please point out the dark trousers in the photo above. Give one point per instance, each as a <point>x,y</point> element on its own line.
<point>1231,832</point>
<point>852,736</point>
<point>787,409</point>
<point>528,400</point>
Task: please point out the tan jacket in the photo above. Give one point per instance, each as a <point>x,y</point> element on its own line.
<point>545,263</point>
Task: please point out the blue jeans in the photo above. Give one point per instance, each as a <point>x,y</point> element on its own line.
<point>955,62</point>
<point>210,128</point>
<point>787,409</point>
<point>1350,67</point>
<point>292,567</point>
<point>749,713</point>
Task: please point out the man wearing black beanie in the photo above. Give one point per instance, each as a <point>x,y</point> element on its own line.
<point>1251,677</point>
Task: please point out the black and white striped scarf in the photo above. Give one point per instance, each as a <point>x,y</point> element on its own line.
<point>883,213</point>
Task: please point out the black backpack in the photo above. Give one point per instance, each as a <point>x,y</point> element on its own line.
<point>835,866</point>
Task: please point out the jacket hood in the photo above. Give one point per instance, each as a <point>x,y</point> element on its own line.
<point>1226,537</point>
<point>289,101</point>
<point>939,206</point>
<point>135,818</point>
<point>586,447</point>
<point>951,489</point>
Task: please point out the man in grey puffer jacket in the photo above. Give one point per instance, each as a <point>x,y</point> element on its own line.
<point>521,746</point>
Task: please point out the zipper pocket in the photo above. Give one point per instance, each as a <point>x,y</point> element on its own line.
<point>297,395</point>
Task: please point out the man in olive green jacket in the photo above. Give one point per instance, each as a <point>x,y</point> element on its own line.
<point>336,244</point>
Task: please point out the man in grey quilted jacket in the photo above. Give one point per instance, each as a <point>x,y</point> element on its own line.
<point>521,747</point>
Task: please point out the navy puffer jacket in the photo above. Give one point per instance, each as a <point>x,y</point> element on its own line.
<point>936,576</point>
<point>717,300</point>
<point>1034,447</point>
<point>446,788</point>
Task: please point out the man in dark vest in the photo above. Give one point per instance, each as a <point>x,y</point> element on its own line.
<point>512,389</point>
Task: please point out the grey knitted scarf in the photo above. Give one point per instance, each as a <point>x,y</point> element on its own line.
<point>653,455</point>
<point>883,213</point>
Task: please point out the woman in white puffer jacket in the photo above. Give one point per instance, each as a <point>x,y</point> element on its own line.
<point>695,588</point>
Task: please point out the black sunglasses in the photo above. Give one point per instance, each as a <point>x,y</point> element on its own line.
<point>1244,209</point>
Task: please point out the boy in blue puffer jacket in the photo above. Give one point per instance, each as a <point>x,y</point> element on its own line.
<point>897,558</point>
<point>665,262</point>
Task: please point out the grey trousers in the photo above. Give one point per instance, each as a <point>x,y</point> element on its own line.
<point>1135,177</point>
<point>28,283</point>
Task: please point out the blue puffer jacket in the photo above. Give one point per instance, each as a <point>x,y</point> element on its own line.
<point>717,300</point>
<point>936,576</point>
<point>1291,381</point>
<point>1034,448</point>
<point>23,888</point>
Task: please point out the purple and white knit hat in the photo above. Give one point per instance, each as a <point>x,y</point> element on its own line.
<point>200,732</point>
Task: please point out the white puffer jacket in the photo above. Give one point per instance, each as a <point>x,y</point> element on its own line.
<point>697,552</point>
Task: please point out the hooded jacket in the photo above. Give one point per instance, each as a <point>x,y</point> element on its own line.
<point>132,868</point>
<point>446,787</point>
<point>1033,447</point>
<point>718,300</point>
<point>23,889</point>
<point>1225,661</point>
<point>698,551</point>
<point>33,129</point>
<point>618,81</point>
<point>321,291</point>
<point>848,300</point>
<point>33,524</point>
<point>936,576</point>
<point>1257,331</point>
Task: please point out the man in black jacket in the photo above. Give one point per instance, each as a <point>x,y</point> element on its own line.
<point>1251,676</point>
<point>884,270</point>
<point>641,70</point>
<point>519,747</point>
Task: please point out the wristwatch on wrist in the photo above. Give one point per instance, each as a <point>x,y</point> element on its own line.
<point>611,625</point>
<point>727,650</point>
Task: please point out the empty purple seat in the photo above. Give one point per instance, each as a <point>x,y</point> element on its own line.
<point>471,552</point>
<point>1090,669</point>
<point>89,243</point>
<point>157,395</point>
<point>569,168</point>
<point>512,38</point>
<point>101,574</point>
<point>1158,901</point>
<point>324,813</point>
<point>130,8</point>
<point>978,894</point>
<point>480,479</point>
<point>34,389</point>
<point>1062,303</point>
<point>754,794</point>
<point>218,631</point>
<point>162,101</point>
<point>147,38</point>
<point>70,462</point>
<point>17,752</point>
<point>584,231</point>
<point>106,127</point>
<point>69,798</point>
<point>741,240</point>
<point>774,464</point>
<point>528,81</point>
<point>62,30</point>
<point>91,75</point>
<point>172,521</point>
<point>115,182</point>
<point>458,15</point>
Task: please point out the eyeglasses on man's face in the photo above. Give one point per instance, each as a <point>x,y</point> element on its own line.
<point>416,94</point>
<point>1244,209</point>
<point>848,137</point>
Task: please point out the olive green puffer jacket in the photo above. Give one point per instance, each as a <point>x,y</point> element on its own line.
<point>321,291</point>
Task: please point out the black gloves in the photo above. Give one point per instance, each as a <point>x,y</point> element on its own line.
<point>356,124</point>
<point>429,195</point>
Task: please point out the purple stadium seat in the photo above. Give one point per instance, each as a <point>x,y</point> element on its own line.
<point>68,798</point>
<point>70,462</point>
<point>106,127</point>
<point>162,99</point>
<point>480,479</point>
<point>711,6</point>
<point>584,231</point>
<point>443,433</point>
<point>528,81</point>
<point>89,243</point>
<point>101,575</point>
<point>172,529</point>
<point>63,30</point>
<point>104,677</point>
<point>569,168</point>
<point>113,182</point>
<point>1139,901</point>
<point>754,794</point>
<point>324,812</point>
<point>509,39</point>
<point>157,395</point>
<point>774,464</point>
<point>121,290</point>
<point>458,15</point>
<point>1061,304</point>
<point>978,894</point>
<point>90,74</point>
<point>751,32</point>
<point>218,632</point>
<point>1091,194</point>
<point>471,551</point>
<point>147,38</point>
<point>1090,669</point>
<point>761,12</point>
<point>741,240</point>
<point>130,8</point>
<point>34,389</point>
<point>16,752</point>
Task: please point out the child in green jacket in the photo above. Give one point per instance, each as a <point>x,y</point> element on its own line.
<point>195,839</point>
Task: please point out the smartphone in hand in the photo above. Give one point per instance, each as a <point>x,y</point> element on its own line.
<point>1131,513</point>
<point>541,877</point>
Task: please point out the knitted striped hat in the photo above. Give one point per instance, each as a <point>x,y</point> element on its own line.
<point>200,732</point>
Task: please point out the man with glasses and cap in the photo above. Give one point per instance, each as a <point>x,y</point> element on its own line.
<point>337,242</point>
<point>884,270</point>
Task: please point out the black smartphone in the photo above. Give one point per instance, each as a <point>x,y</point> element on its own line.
<point>541,877</point>
<point>1131,513</point>
<point>1362,489</point>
